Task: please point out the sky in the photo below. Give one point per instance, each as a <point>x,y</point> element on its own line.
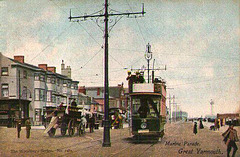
<point>197,40</point>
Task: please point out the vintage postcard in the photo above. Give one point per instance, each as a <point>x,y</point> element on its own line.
<point>119,78</point>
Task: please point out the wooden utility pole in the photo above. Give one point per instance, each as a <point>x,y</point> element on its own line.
<point>106,15</point>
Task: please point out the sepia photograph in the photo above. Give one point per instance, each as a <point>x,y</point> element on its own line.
<point>119,78</point>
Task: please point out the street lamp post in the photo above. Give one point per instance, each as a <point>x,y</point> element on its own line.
<point>170,107</point>
<point>148,56</point>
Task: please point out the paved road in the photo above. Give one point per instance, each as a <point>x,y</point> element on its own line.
<point>178,141</point>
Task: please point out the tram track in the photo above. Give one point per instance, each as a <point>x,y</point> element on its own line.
<point>90,142</point>
<point>93,144</point>
<point>131,148</point>
<point>140,146</point>
<point>78,146</point>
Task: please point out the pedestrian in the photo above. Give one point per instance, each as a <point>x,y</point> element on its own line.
<point>91,123</point>
<point>201,125</point>
<point>13,122</point>
<point>195,128</point>
<point>216,124</point>
<point>74,103</point>
<point>19,125</point>
<point>230,137</point>
<point>28,127</point>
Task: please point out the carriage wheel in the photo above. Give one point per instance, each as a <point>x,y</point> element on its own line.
<point>63,129</point>
<point>81,129</point>
<point>52,132</point>
<point>71,128</point>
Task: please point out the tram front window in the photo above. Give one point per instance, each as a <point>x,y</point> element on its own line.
<point>145,107</point>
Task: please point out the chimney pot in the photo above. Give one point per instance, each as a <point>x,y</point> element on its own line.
<point>19,59</point>
<point>43,66</point>
<point>52,69</point>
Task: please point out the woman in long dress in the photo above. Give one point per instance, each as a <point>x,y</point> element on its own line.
<point>195,128</point>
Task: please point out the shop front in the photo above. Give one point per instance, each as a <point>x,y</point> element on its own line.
<point>12,110</point>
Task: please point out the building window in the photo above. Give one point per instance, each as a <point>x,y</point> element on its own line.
<point>58,81</point>
<point>64,100</point>
<point>53,80</point>
<point>24,93</point>
<point>36,77</point>
<point>42,96</point>
<point>53,98</point>
<point>36,94</point>
<point>48,79</point>
<point>49,96</point>
<point>42,78</point>
<point>39,94</point>
<point>25,74</point>
<point>4,71</point>
<point>65,83</point>
<point>5,91</point>
<point>38,115</point>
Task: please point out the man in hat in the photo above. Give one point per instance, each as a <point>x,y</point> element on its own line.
<point>28,127</point>
<point>230,137</point>
<point>131,79</point>
<point>19,125</point>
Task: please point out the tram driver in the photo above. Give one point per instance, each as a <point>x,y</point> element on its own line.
<point>144,109</point>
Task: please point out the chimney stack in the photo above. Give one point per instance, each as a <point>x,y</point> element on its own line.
<point>52,69</point>
<point>82,89</point>
<point>43,66</point>
<point>19,59</point>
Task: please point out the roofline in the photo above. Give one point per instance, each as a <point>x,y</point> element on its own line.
<point>37,69</point>
<point>145,93</point>
<point>102,87</point>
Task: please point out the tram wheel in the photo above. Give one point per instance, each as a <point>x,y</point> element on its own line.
<point>63,129</point>
<point>52,132</point>
<point>71,127</point>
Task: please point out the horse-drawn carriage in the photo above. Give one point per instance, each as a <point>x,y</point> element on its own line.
<point>67,118</point>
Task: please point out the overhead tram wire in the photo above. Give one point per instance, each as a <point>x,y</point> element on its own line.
<point>78,23</point>
<point>52,41</point>
<point>116,61</point>
<point>90,35</point>
<point>91,19</point>
<point>174,54</point>
<point>157,37</point>
<point>94,40</point>
<point>90,59</point>
<point>32,33</point>
<point>138,25</point>
<point>223,78</point>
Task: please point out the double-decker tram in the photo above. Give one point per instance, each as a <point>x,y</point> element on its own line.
<point>148,109</point>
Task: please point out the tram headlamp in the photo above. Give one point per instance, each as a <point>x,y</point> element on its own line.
<point>144,125</point>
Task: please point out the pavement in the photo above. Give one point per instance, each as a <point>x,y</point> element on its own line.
<point>178,141</point>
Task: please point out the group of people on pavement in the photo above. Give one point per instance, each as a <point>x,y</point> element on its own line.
<point>230,137</point>
<point>195,126</point>
<point>27,125</point>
